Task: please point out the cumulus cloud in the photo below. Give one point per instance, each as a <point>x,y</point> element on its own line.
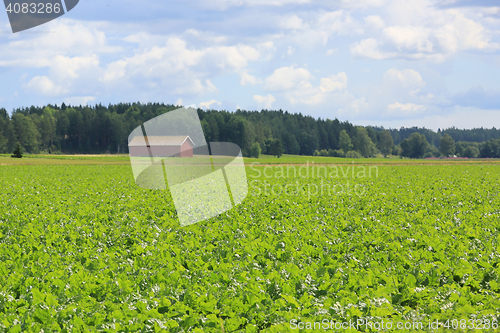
<point>405,78</point>
<point>69,38</point>
<point>293,23</point>
<point>441,35</point>
<point>400,94</point>
<point>295,84</point>
<point>183,69</point>
<point>225,4</point>
<point>64,74</point>
<point>338,22</point>
<point>362,3</point>
<point>69,55</point>
<point>409,39</point>
<point>404,110</point>
<point>180,58</point>
<point>67,68</point>
<point>195,87</point>
<point>79,100</point>
<point>288,78</point>
<point>316,29</point>
<point>331,52</point>
<point>374,22</point>
<point>367,48</point>
<point>42,85</point>
<point>248,79</point>
<point>351,106</point>
<point>264,102</point>
<point>206,105</point>
<point>333,83</point>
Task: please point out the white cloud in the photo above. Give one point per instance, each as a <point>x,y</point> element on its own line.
<point>68,38</point>
<point>114,71</point>
<point>196,87</point>
<point>406,86</point>
<point>287,78</point>
<point>363,3</point>
<point>293,23</point>
<point>65,72</point>
<point>409,38</point>
<point>434,35</point>
<point>367,48</point>
<point>296,85</point>
<point>42,85</point>
<point>66,68</point>
<point>69,54</point>
<point>249,79</point>
<point>404,110</point>
<point>225,4</point>
<point>331,52</point>
<point>79,100</point>
<point>264,102</point>
<point>182,58</point>
<point>374,22</point>
<point>405,78</point>
<point>333,83</point>
<point>183,69</point>
<point>337,22</point>
<point>206,105</point>
<point>317,28</point>
<point>409,12</point>
<point>350,106</point>
<point>157,61</point>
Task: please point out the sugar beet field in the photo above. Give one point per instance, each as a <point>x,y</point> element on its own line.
<point>82,248</point>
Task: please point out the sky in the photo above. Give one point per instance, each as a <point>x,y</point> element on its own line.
<point>389,63</point>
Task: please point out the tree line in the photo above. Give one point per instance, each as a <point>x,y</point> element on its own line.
<point>104,129</point>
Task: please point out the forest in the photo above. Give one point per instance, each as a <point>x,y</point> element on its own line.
<point>97,129</point>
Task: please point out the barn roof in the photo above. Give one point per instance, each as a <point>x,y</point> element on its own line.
<point>177,140</point>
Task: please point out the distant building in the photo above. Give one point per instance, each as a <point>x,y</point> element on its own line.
<point>161,146</point>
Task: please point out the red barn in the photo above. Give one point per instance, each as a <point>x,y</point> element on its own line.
<point>161,146</point>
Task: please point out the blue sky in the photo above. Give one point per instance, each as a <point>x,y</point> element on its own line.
<point>390,63</point>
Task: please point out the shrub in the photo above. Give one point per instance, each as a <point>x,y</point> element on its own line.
<point>428,155</point>
<point>353,154</point>
<point>336,153</point>
<point>255,150</point>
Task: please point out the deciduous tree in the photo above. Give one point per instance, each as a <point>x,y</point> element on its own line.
<point>447,145</point>
<point>386,143</point>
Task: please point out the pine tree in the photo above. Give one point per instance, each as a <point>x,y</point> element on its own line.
<point>18,152</point>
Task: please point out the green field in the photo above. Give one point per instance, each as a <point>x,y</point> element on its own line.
<point>83,248</point>
<point>66,160</point>
<point>124,159</point>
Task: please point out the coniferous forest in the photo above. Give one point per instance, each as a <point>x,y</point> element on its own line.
<point>99,129</point>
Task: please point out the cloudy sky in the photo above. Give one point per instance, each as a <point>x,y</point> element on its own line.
<point>373,62</point>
